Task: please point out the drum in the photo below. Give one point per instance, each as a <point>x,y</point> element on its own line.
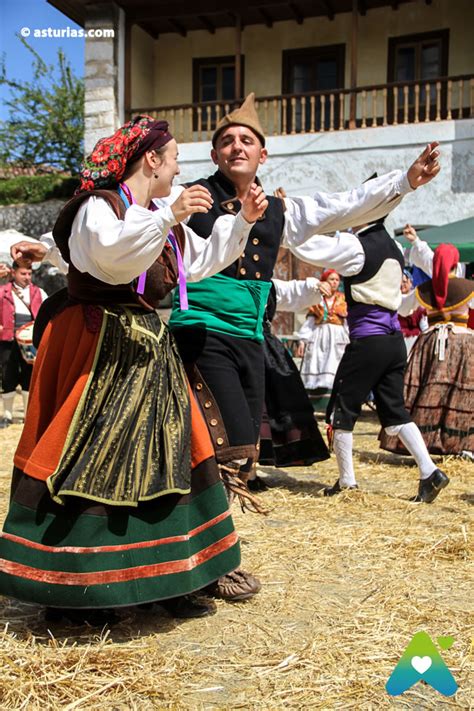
<point>24,338</point>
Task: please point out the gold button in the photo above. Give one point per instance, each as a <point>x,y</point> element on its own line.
<point>243,270</point>
<point>207,404</point>
<point>255,240</point>
<point>213,422</point>
<point>257,275</point>
<point>255,257</point>
<point>257,447</point>
<point>230,206</point>
<point>219,440</point>
<point>242,255</point>
<point>198,386</point>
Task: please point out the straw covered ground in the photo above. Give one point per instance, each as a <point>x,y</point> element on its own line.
<point>346,583</point>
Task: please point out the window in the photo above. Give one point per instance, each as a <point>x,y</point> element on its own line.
<point>420,58</point>
<point>214,80</point>
<point>312,70</point>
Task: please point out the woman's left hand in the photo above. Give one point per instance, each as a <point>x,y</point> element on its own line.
<point>254,204</point>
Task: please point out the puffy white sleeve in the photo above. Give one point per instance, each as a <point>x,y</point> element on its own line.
<point>421,256</point>
<point>326,212</point>
<point>297,294</point>
<point>117,251</point>
<point>343,252</point>
<point>204,257</point>
<point>53,255</point>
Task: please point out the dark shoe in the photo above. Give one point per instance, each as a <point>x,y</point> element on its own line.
<point>77,617</point>
<point>257,484</point>
<point>428,489</point>
<point>186,607</point>
<point>336,489</point>
<point>234,587</point>
<point>5,422</point>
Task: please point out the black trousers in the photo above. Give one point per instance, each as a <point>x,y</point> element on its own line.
<point>233,370</point>
<point>374,363</point>
<point>13,368</point>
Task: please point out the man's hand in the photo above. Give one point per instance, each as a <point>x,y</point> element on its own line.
<point>254,204</point>
<point>24,253</point>
<point>425,168</point>
<point>197,198</point>
<point>409,233</point>
<point>4,270</point>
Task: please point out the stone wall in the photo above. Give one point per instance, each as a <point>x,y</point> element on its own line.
<point>32,220</point>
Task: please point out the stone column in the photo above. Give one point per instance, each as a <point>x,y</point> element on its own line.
<point>104,72</point>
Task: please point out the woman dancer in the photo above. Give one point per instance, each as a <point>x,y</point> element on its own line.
<point>116,498</point>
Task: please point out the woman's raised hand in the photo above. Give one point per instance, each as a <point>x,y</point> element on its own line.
<point>197,198</point>
<point>254,204</point>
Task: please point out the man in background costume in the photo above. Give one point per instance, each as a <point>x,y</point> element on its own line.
<point>20,301</point>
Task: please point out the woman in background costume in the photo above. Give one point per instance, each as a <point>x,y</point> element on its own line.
<point>325,334</point>
<point>116,498</point>
<point>439,381</point>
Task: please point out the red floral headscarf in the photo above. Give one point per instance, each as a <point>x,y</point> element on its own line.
<point>106,165</point>
<point>445,258</point>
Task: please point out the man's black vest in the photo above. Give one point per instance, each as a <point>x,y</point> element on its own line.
<point>378,246</point>
<point>261,252</point>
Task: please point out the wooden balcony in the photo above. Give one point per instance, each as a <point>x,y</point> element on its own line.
<point>412,102</point>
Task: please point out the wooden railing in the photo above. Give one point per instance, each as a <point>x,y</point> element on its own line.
<point>411,102</point>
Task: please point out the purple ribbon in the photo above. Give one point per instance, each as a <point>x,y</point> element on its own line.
<point>131,200</point>
<point>183,292</point>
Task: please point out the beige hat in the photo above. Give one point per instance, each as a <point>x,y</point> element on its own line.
<point>245,115</point>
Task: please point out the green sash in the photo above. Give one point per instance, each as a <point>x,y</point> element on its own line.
<point>224,304</point>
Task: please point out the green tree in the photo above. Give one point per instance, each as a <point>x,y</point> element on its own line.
<point>45,116</point>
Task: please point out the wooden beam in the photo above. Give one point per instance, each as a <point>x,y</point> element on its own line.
<point>238,56</point>
<point>207,23</point>
<point>327,4</point>
<point>296,12</point>
<point>178,26</point>
<point>354,38</point>
<point>143,11</point>
<point>266,17</point>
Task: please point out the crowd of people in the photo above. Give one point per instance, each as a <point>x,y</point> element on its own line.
<point>139,434</point>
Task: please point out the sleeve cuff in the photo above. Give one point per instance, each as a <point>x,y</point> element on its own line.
<point>402,185</point>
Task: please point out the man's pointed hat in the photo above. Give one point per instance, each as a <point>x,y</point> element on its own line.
<point>245,115</point>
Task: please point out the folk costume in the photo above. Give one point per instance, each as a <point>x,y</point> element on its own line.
<point>289,434</point>
<point>18,307</point>
<point>439,382</point>
<point>326,336</point>
<point>375,358</point>
<point>220,337</point>
<point>116,497</point>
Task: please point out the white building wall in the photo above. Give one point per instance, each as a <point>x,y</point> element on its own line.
<point>342,160</point>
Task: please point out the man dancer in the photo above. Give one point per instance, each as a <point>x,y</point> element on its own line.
<point>376,357</point>
<point>221,332</point>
